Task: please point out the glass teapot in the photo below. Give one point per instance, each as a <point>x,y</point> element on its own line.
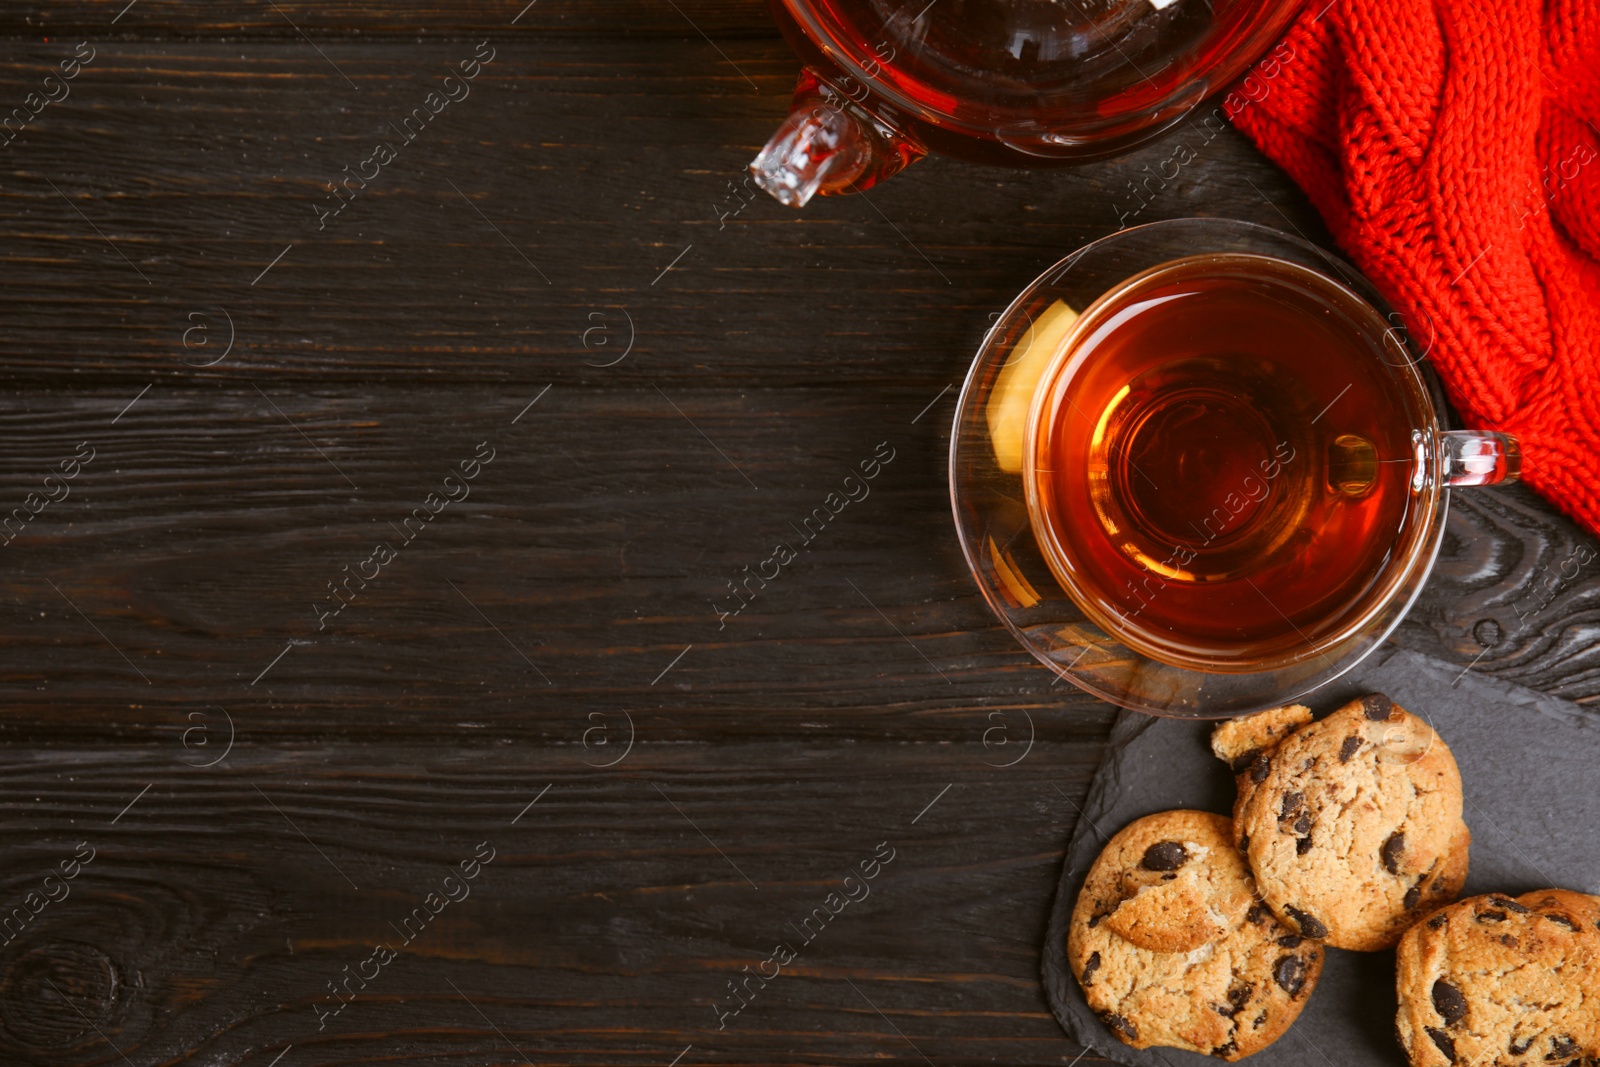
<point>1016,82</point>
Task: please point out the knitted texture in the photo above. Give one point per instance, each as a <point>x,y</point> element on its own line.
<point>1451,146</point>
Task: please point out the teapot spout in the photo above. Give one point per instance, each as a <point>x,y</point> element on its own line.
<point>815,150</point>
<point>829,145</point>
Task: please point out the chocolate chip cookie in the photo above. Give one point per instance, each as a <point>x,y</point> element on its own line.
<point>1232,978</point>
<point>1352,824</point>
<point>1503,981</point>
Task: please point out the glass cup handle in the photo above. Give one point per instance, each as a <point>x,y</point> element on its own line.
<point>1478,457</point>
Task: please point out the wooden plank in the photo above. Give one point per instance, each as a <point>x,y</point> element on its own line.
<point>600,166</point>
<point>592,551</point>
<point>220,903</point>
<point>293,20</point>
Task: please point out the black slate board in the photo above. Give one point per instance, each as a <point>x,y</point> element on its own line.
<point>1528,764</point>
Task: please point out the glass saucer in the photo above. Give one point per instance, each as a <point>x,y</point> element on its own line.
<point>991,513</point>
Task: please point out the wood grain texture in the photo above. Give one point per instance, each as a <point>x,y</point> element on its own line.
<point>1514,595</point>
<point>294,20</point>
<point>218,907</point>
<point>511,254</point>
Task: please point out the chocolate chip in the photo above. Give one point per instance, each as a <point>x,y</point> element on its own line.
<point>1438,921</point>
<point>1413,897</point>
<point>1393,851</point>
<point>1561,1047</point>
<point>1094,920</point>
<point>1122,1026</point>
<point>1510,942</point>
<point>1377,707</point>
<point>1259,1020</point>
<point>1089,968</point>
<point>1257,912</point>
<point>1292,802</point>
<point>1517,1050</point>
<point>1445,1043</point>
<point>1563,920</point>
<point>1351,746</point>
<point>1290,974</point>
<point>1260,768</point>
<point>1309,925</point>
<point>1508,904</point>
<point>1224,1051</point>
<point>1243,763</point>
<point>1490,916</point>
<point>1290,941</point>
<point>1302,845</point>
<point>1168,877</point>
<point>1448,1002</point>
<point>1165,856</point>
<point>1302,825</point>
<point>1239,996</point>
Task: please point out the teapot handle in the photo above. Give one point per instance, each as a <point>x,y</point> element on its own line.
<point>830,144</point>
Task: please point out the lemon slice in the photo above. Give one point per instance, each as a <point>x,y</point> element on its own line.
<point>1007,410</point>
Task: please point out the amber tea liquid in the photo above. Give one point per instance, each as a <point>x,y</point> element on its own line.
<point>1222,465</point>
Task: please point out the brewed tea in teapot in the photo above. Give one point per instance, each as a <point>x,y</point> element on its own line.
<point>1015,82</point>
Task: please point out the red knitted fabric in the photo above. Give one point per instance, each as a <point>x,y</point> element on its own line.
<point>1452,148</point>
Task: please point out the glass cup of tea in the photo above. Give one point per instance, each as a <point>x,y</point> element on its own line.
<point>1198,468</point>
<point>1016,82</point>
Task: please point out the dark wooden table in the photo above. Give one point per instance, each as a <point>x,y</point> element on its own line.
<point>270,789</point>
